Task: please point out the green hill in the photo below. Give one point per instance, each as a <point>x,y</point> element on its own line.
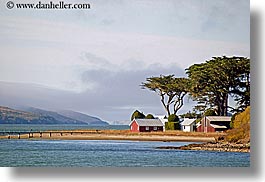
<point>38,116</point>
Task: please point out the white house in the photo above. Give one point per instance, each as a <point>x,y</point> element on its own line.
<point>188,125</point>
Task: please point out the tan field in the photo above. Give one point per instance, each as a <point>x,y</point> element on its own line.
<point>120,135</point>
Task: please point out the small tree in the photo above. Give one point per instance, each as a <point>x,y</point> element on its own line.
<point>171,90</point>
<point>173,123</point>
<point>149,116</point>
<point>137,115</point>
<point>173,118</point>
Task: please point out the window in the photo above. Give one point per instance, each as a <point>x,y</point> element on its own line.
<point>155,128</point>
<point>184,127</point>
<point>147,128</point>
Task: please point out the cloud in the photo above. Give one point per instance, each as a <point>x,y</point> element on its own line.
<point>94,61</point>
<point>115,96</point>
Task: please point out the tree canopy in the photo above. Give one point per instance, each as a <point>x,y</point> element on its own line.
<point>170,89</point>
<point>213,81</point>
<point>137,115</point>
<point>173,118</point>
<point>149,116</point>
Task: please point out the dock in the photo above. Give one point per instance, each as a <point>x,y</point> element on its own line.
<point>40,134</point>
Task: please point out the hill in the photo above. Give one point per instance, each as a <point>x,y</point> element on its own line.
<point>12,116</point>
<point>38,116</point>
<point>62,119</point>
<point>90,120</point>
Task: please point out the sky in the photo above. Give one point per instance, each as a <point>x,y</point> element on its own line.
<point>94,60</point>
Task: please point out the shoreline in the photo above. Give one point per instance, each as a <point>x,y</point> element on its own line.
<point>133,137</point>
<point>210,146</point>
<point>210,141</point>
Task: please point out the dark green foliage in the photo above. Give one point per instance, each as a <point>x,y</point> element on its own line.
<point>190,115</point>
<point>209,112</point>
<point>172,126</point>
<point>149,116</point>
<point>213,81</point>
<point>173,118</point>
<point>173,123</point>
<point>137,115</point>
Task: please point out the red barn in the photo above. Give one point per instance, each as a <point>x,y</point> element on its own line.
<point>214,124</point>
<point>146,125</point>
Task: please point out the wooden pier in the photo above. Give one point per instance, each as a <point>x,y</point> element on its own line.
<point>40,134</point>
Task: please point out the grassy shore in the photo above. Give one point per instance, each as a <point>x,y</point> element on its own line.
<point>211,141</point>
<point>122,135</point>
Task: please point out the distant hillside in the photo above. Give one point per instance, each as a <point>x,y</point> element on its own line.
<point>55,115</point>
<point>39,116</point>
<point>12,116</point>
<point>90,120</point>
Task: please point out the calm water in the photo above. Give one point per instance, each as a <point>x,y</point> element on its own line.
<point>72,153</point>
<point>22,127</point>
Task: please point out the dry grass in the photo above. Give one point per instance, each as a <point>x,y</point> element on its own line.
<point>122,135</point>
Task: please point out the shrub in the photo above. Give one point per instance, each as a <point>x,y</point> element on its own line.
<point>232,120</point>
<point>172,126</point>
<point>137,115</point>
<point>209,112</point>
<point>173,118</point>
<point>241,127</point>
<point>149,116</point>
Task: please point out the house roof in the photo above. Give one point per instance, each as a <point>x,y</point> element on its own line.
<point>187,121</point>
<point>219,118</point>
<point>218,126</point>
<point>148,122</point>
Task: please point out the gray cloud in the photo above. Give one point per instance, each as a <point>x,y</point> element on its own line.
<point>115,96</point>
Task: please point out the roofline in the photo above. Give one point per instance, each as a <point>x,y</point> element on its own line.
<point>133,121</point>
<point>138,123</point>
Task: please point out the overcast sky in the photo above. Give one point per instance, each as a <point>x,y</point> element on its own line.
<point>93,61</point>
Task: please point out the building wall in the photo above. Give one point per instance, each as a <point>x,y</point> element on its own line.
<point>134,127</point>
<point>151,128</point>
<point>186,128</point>
<point>205,129</point>
<point>189,128</point>
<point>205,126</point>
<point>199,129</point>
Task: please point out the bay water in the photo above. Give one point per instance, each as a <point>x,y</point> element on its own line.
<point>107,153</point>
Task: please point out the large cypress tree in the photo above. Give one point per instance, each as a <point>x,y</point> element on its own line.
<point>213,81</point>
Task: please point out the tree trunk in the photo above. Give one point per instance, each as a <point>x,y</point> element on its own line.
<point>225,104</point>
<point>166,106</point>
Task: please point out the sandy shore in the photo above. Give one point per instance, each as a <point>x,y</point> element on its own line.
<point>116,135</point>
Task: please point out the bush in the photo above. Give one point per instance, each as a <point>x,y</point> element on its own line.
<point>137,115</point>
<point>241,127</point>
<point>209,112</point>
<point>149,116</point>
<point>173,118</point>
<point>172,126</point>
<point>232,120</point>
